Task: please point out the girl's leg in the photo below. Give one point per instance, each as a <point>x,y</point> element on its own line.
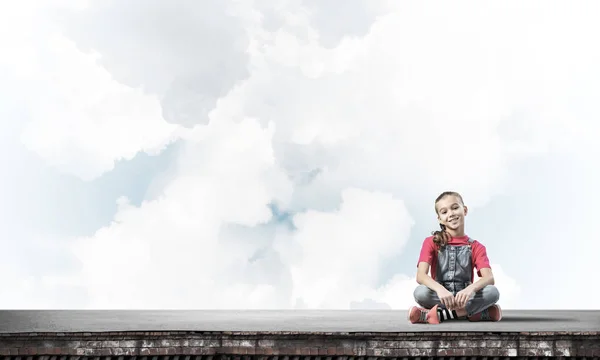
<point>482,300</point>
<point>428,299</point>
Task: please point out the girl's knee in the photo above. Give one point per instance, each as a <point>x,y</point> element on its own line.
<point>492,293</point>
<point>422,294</point>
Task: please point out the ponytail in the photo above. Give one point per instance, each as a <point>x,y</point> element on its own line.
<point>440,237</point>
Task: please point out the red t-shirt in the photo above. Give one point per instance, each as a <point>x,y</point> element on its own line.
<point>479,257</point>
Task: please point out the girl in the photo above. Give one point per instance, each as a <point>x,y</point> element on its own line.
<point>449,293</point>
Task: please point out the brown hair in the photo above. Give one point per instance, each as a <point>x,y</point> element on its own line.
<point>441,237</point>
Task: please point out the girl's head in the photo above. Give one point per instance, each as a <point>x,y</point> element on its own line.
<point>451,211</point>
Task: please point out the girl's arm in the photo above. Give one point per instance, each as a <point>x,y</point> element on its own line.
<point>423,278</point>
<point>482,263</point>
<point>487,278</point>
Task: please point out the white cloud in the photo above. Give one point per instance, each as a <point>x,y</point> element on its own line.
<point>397,293</point>
<point>83,121</point>
<point>80,119</point>
<point>510,290</point>
<point>188,54</point>
<point>418,99</point>
<point>334,257</point>
<point>177,242</point>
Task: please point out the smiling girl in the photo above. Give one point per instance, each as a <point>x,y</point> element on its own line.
<point>449,293</point>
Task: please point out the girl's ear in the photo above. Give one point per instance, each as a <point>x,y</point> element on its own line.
<point>466,209</point>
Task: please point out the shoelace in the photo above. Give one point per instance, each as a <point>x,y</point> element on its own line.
<point>485,315</point>
<point>423,316</point>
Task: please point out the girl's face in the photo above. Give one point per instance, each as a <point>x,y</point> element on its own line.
<point>451,212</point>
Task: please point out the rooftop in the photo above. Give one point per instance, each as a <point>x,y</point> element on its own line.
<point>298,321</point>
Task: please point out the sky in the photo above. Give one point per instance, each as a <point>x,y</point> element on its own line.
<point>286,154</point>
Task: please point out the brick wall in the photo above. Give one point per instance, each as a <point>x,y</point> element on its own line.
<point>295,346</point>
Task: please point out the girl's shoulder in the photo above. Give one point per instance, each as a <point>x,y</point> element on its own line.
<point>428,240</point>
<point>428,244</point>
<point>477,244</point>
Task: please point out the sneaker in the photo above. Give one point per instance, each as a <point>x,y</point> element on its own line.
<point>433,316</point>
<point>417,315</point>
<point>493,313</point>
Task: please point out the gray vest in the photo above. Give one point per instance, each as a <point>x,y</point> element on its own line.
<point>455,267</point>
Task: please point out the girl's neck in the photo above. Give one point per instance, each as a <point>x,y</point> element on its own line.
<point>456,233</point>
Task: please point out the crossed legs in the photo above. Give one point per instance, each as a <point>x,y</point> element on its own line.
<point>480,300</point>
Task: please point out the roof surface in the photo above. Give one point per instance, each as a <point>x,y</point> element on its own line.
<point>13,321</point>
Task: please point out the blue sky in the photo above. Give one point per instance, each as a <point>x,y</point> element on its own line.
<point>288,156</point>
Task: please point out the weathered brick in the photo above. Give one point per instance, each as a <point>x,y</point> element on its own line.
<point>125,351</point>
<point>348,351</point>
<point>239,350</point>
<point>536,344</point>
<point>287,351</point>
<point>378,352</point>
<point>589,352</point>
<point>563,351</point>
<point>493,343</point>
<point>460,351</point>
<point>297,347</point>
<point>238,343</point>
<point>490,352</point>
<point>535,352</point>
<point>247,343</point>
<point>148,343</point>
<point>93,344</point>
<point>110,344</point>
<point>203,343</point>
<point>423,345</point>
<point>563,343</point>
<point>127,343</point>
<point>465,343</point>
<point>266,343</point>
<point>421,352</point>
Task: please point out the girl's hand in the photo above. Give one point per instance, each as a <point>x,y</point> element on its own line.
<point>446,298</point>
<point>463,296</point>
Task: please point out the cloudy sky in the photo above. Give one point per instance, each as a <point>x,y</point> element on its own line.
<point>287,153</point>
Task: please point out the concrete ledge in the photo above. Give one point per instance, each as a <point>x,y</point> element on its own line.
<point>290,335</point>
<point>304,321</point>
<point>184,345</point>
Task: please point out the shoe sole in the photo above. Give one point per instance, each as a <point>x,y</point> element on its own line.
<point>408,315</point>
<point>500,311</point>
